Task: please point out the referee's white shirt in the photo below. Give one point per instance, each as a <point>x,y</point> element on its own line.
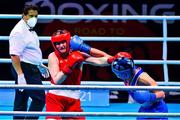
<point>25,44</point>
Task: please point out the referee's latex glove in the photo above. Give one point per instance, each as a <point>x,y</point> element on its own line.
<point>43,70</point>
<point>21,81</point>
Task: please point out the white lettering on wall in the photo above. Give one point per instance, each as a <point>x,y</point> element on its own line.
<point>126,9</point>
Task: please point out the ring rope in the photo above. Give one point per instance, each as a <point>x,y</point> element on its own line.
<point>112,114</point>
<point>148,62</point>
<point>75,87</point>
<point>108,83</point>
<point>112,39</point>
<point>95,17</point>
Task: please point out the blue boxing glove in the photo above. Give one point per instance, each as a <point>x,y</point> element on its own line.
<point>143,96</point>
<point>78,44</point>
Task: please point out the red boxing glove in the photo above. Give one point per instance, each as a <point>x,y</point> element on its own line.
<point>119,54</point>
<point>73,59</point>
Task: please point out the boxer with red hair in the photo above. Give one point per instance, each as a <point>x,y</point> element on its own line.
<point>65,67</point>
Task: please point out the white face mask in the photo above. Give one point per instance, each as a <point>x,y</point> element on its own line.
<point>32,22</point>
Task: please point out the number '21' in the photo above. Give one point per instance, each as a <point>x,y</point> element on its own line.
<point>85,96</point>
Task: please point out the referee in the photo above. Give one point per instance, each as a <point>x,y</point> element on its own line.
<point>27,64</point>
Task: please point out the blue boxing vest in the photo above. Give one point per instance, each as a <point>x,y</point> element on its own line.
<point>159,106</point>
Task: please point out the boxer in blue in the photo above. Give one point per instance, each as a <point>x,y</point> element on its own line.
<point>132,75</point>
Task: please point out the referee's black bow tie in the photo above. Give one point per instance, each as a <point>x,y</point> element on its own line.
<point>31,29</point>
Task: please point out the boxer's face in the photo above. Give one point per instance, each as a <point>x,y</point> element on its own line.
<point>125,74</point>
<point>61,46</point>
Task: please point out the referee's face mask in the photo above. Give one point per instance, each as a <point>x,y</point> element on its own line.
<point>32,22</point>
<point>31,18</point>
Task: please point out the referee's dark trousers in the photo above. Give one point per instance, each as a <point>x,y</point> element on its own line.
<point>32,76</point>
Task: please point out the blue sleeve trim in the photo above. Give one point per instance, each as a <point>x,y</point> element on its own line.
<point>134,80</point>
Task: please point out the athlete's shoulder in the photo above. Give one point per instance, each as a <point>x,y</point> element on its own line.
<point>51,54</point>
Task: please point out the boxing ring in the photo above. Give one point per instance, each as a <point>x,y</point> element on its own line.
<point>110,110</point>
